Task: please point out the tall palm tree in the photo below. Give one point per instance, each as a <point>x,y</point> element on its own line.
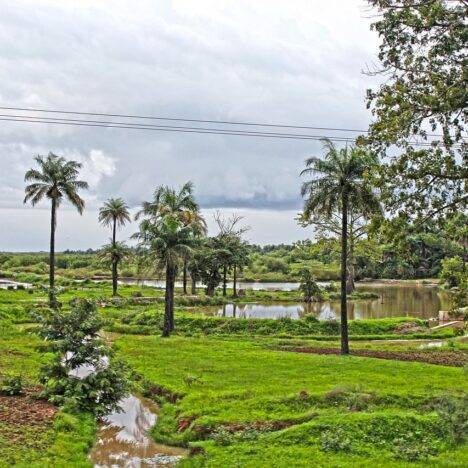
<point>171,226</point>
<point>338,182</point>
<point>55,179</point>
<point>114,213</point>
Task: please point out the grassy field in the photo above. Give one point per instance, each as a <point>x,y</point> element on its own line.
<point>235,392</point>
<point>244,398</point>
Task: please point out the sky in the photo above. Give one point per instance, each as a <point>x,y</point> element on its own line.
<point>297,62</point>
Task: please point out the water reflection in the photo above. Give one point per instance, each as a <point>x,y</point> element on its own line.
<point>122,440</point>
<point>394,301</point>
<point>254,286</point>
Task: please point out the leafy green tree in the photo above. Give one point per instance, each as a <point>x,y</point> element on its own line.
<point>424,56</point>
<point>55,179</point>
<point>82,373</point>
<point>170,229</point>
<point>337,180</point>
<point>112,255</point>
<point>311,291</point>
<point>114,213</point>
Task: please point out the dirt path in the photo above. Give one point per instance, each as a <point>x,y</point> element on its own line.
<point>25,409</point>
<point>444,358</point>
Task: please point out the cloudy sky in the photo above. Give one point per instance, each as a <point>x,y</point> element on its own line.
<point>290,62</point>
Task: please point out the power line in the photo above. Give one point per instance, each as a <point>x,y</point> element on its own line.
<point>176,129</point>
<point>174,119</point>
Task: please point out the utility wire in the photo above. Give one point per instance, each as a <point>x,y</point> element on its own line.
<point>173,119</point>
<point>177,129</point>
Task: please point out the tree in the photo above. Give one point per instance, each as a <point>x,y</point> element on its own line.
<point>423,54</point>
<point>55,179</point>
<point>357,228</point>
<point>232,254</point>
<point>310,289</point>
<point>114,213</point>
<point>170,229</point>
<point>112,254</point>
<point>338,179</point>
<point>82,372</point>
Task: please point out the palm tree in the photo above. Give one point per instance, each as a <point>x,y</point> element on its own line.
<point>171,226</point>
<point>339,180</point>
<point>55,179</point>
<point>114,213</point>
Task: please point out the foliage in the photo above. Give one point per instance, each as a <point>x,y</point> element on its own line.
<point>453,272</point>
<point>11,386</point>
<point>310,289</point>
<point>76,346</point>
<point>423,55</point>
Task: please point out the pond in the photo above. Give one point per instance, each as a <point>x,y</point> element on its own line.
<point>255,286</point>
<point>395,300</point>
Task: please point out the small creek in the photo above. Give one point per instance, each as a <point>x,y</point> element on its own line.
<point>123,441</point>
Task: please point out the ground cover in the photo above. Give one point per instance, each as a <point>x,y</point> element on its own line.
<point>235,395</point>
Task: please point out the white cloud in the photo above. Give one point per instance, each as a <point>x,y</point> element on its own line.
<point>296,62</point>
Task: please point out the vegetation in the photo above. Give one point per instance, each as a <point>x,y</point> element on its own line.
<point>171,227</point>
<point>250,405</point>
<point>339,183</point>
<point>75,344</point>
<point>423,57</point>
<point>264,392</point>
<point>55,179</point>
<point>114,213</point>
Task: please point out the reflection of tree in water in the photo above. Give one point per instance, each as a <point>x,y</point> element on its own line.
<point>123,442</point>
<point>393,301</point>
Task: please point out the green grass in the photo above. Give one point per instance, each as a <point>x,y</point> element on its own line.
<point>241,382</point>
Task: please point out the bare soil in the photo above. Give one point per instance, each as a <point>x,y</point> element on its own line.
<point>444,358</point>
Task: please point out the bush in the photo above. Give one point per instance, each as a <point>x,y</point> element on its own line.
<point>75,344</point>
<point>11,386</point>
<point>335,441</point>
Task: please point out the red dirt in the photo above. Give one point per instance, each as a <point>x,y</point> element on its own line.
<point>444,358</point>
<point>25,409</point>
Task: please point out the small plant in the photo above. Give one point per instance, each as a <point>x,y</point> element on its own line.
<point>11,386</point>
<point>335,441</point>
<point>311,291</point>
<point>81,374</point>
<point>412,449</point>
<point>454,414</point>
<point>222,437</point>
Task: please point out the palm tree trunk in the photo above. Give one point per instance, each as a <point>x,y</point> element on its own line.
<point>114,260</point>
<point>169,302</point>
<point>234,282</point>
<point>344,253</point>
<point>184,279</point>
<point>194,284</point>
<point>224,279</point>
<point>350,282</point>
<point>53,223</point>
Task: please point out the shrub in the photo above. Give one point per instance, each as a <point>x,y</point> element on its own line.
<point>335,441</point>
<point>75,344</point>
<point>11,386</point>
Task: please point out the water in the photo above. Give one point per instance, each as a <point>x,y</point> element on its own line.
<point>255,286</point>
<point>395,300</point>
<point>122,438</point>
<point>5,284</point>
<point>123,441</point>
